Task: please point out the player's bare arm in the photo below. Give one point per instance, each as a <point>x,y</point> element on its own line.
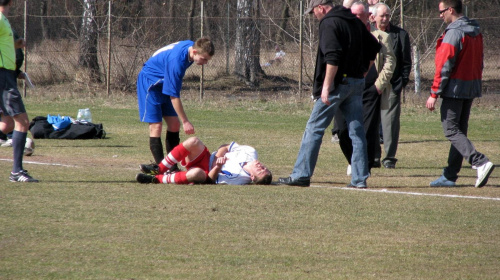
<point>222,150</point>
<point>179,109</point>
<point>218,162</point>
<point>216,168</point>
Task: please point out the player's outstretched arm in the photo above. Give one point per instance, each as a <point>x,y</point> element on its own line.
<point>179,109</point>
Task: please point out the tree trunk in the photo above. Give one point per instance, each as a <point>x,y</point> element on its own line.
<point>44,12</point>
<point>171,12</point>
<point>210,23</point>
<point>247,60</point>
<point>87,59</point>
<point>285,16</point>
<point>191,20</point>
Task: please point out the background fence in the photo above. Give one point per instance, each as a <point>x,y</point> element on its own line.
<point>130,31</point>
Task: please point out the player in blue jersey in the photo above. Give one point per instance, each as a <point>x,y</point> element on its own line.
<point>158,91</point>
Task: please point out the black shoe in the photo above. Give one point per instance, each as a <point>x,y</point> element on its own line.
<point>174,168</point>
<point>151,169</point>
<point>294,182</point>
<point>22,176</point>
<point>376,163</point>
<point>146,179</point>
<point>389,164</point>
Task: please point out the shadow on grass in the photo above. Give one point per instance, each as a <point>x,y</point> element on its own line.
<point>441,140</point>
<point>96,146</point>
<point>100,182</point>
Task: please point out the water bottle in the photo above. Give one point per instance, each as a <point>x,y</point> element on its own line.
<point>80,115</point>
<point>87,115</point>
<point>84,115</point>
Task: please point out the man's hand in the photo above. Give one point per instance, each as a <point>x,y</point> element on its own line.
<point>324,96</point>
<point>188,127</point>
<point>431,102</point>
<point>20,43</point>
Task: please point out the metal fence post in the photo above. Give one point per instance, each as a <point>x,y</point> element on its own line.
<point>227,41</point>
<point>416,69</point>
<point>25,36</point>
<point>108,78</point>
<point>401,10</point>
<point>202,67</point>
<point>301,42</point>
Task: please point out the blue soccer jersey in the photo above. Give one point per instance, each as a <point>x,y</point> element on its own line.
<point>161,78</point>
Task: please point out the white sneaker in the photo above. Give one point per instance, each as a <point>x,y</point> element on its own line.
<point>335,138</point>
<point>483,173</point>
<point>29,147</point>
<point>349,170</point>
<point>7,143</point>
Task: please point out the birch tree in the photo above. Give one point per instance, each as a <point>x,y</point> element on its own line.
<point>247,59</point>
<point>87,59</point>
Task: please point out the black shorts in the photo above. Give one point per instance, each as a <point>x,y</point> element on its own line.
<point>11,102</point>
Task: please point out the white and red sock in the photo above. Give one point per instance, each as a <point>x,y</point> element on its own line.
<point>173,178</point>
<point>176,155</point>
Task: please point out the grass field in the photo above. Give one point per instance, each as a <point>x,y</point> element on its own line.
<point>89,219</point>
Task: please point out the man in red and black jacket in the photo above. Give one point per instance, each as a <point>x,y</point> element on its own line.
<point>459,68</point>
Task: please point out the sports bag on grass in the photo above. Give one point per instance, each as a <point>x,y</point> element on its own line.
<point>40,128</point>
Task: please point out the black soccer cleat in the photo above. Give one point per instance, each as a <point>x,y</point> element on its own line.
<point>151,169</point>
<point>22,176</point>
<point>146,179</point>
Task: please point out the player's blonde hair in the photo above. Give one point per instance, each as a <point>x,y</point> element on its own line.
<point>204,46</point>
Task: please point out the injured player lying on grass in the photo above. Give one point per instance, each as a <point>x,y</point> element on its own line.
<point>231,164</point>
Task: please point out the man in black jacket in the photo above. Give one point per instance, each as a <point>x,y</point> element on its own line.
<point>391,114</point>
<point>346,49</point>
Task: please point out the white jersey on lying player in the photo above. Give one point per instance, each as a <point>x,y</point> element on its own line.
<point>232,172</point>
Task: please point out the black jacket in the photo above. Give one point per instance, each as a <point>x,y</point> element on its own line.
<point>344,42</point>
<point>402,50</point>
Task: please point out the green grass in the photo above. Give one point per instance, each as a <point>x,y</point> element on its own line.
<point>89,219</point>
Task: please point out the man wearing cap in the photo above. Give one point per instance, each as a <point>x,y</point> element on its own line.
<point>345,50</point>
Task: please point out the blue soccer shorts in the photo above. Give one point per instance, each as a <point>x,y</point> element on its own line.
<point>153,104</point>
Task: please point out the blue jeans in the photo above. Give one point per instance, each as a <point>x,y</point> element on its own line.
<point>347,98</point>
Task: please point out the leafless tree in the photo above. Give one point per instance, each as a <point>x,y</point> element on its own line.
<point>88,59</point>
<point>44,11</point>
<point>191,20</point>
<point>247,61</point>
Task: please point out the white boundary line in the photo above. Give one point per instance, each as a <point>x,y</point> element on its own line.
<point>40,163</point>
<point>411,193</point>
<point>327,187</point>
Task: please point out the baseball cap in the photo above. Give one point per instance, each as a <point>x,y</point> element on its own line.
<point>314,3</point>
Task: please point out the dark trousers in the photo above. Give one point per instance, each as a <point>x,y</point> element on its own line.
<point>371,121</point>
<point>455,121</point>
<point>390,119</point>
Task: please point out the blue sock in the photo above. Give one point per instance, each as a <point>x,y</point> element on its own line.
<point>18,143</point>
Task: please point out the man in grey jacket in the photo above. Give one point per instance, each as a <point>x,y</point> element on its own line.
<point>459,69</point>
